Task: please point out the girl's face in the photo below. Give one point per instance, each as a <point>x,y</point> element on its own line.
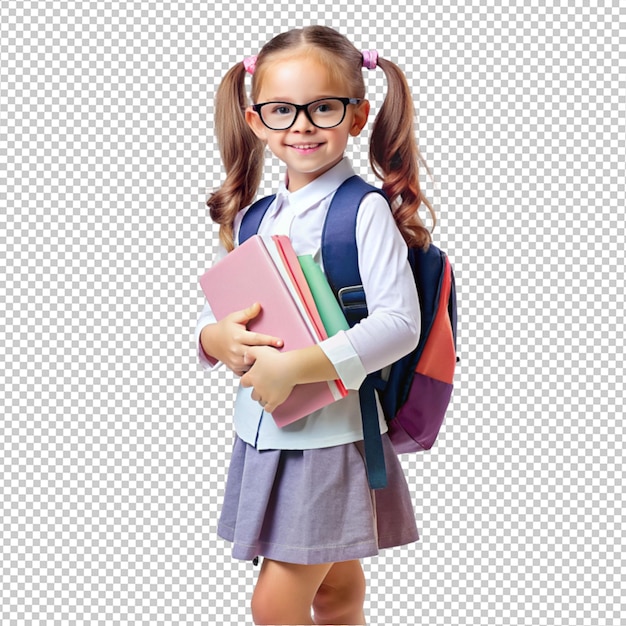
<point>308,151</point>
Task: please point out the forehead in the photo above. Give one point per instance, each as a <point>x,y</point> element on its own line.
<point>299,79</point>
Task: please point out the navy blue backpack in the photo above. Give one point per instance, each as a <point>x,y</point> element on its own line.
<point>416,393</point>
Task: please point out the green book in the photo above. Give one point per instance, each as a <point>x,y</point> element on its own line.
<point>327,306</point>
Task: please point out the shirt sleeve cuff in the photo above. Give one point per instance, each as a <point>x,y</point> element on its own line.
<point>206,361</point>
<point>346,361</point>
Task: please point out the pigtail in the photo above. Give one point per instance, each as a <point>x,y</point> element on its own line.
<point>395,157</point>
<point>241,151</point>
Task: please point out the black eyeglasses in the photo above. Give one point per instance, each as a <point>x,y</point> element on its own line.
<point>323,113</point>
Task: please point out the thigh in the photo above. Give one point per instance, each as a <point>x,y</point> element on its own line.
<point>301,579</point>
<point>344,574</point>
<point>285,591</point>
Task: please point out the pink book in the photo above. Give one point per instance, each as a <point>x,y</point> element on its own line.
<point>249,274</point>
<point>292,266</point>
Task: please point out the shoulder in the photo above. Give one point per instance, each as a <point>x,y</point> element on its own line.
<point>374,202</point>
<point>255,212</point>
<point>237,224</point>
<point>376,228</point>
<point>375,213</point>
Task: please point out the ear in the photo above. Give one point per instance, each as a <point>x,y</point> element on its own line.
<point>254,122</point>
<point>360,117</point>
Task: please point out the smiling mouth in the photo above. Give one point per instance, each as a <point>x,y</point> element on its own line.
<point>305,147</point>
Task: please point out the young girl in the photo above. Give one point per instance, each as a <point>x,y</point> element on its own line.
<point>299,495</point>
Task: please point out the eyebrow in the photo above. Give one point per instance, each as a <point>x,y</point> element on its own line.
<point>313,100</point>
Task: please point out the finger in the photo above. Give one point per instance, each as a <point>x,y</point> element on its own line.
<point>245,315</point>
<point>249,357</point>
<point>259,339</point>
<point>245,380</point>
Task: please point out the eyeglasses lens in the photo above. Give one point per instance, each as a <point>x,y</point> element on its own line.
<point>323,113</point>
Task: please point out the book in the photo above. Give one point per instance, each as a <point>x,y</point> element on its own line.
<point>286,260</point>
<point>330,312</point>
<point>256,272</point>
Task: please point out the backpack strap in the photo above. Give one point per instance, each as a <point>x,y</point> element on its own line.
<point>341,266</point>
<point>253,216</point>
<point>339,249</point>
<point>452,311</point>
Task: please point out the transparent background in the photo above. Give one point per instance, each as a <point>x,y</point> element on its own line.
<point>114,444</point>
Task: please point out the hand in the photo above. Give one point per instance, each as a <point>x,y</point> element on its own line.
<point>271,376</point>
<point>228,340</point>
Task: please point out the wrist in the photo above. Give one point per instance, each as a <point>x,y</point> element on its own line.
<point>309,365</point>
<point>293,367</point>
<point>207,342</point>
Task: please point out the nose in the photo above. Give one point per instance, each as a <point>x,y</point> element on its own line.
<point>302,123</point>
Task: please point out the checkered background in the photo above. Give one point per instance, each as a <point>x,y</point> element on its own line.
<point>114,444</point>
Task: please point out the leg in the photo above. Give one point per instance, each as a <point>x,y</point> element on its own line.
<point>339,600</point>
<point>284,592</point>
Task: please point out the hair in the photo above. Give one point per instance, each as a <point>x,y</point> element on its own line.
<point>393,153</point>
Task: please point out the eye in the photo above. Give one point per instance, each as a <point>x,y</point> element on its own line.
<point>326,106</point>
<point>281,108</point>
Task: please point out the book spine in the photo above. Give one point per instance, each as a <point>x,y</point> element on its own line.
<point>329,310</point>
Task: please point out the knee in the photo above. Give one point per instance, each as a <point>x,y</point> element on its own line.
<point>270,608</point>
<point>335,601</point>
<point>263,608</point>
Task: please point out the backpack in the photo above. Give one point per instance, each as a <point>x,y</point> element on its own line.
<point>415,394</point>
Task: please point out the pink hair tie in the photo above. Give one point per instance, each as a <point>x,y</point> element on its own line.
<point>370,59</point>
<point>250,64</point>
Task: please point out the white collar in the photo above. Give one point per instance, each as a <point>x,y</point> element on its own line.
<point>316,190</point>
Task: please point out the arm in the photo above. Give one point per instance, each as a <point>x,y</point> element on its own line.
<point>392,327</point>
<point>274,374</point>
<point>389,332</point>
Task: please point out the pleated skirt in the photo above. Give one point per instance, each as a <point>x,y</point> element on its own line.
<point>313,506</point>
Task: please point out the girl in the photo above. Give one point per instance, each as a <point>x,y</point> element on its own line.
<point>299,496</point>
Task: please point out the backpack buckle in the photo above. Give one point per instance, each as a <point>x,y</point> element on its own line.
<point>352,303</point>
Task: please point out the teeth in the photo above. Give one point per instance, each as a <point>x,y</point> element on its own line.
<point>305,146</point>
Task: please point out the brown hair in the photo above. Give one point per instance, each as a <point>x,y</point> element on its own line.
<point>394,155</point>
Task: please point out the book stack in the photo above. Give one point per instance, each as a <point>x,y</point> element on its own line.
<point>297,305</point>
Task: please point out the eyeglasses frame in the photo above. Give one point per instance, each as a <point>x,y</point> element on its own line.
<point>305,107</point>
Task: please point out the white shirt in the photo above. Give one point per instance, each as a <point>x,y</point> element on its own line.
<point>390,330</point>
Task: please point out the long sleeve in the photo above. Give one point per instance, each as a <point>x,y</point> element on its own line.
<point>392,326</point>
<point>206,318</point>
<point>390,330</point>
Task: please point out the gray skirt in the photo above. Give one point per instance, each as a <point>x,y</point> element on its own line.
<point>313,506</point>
